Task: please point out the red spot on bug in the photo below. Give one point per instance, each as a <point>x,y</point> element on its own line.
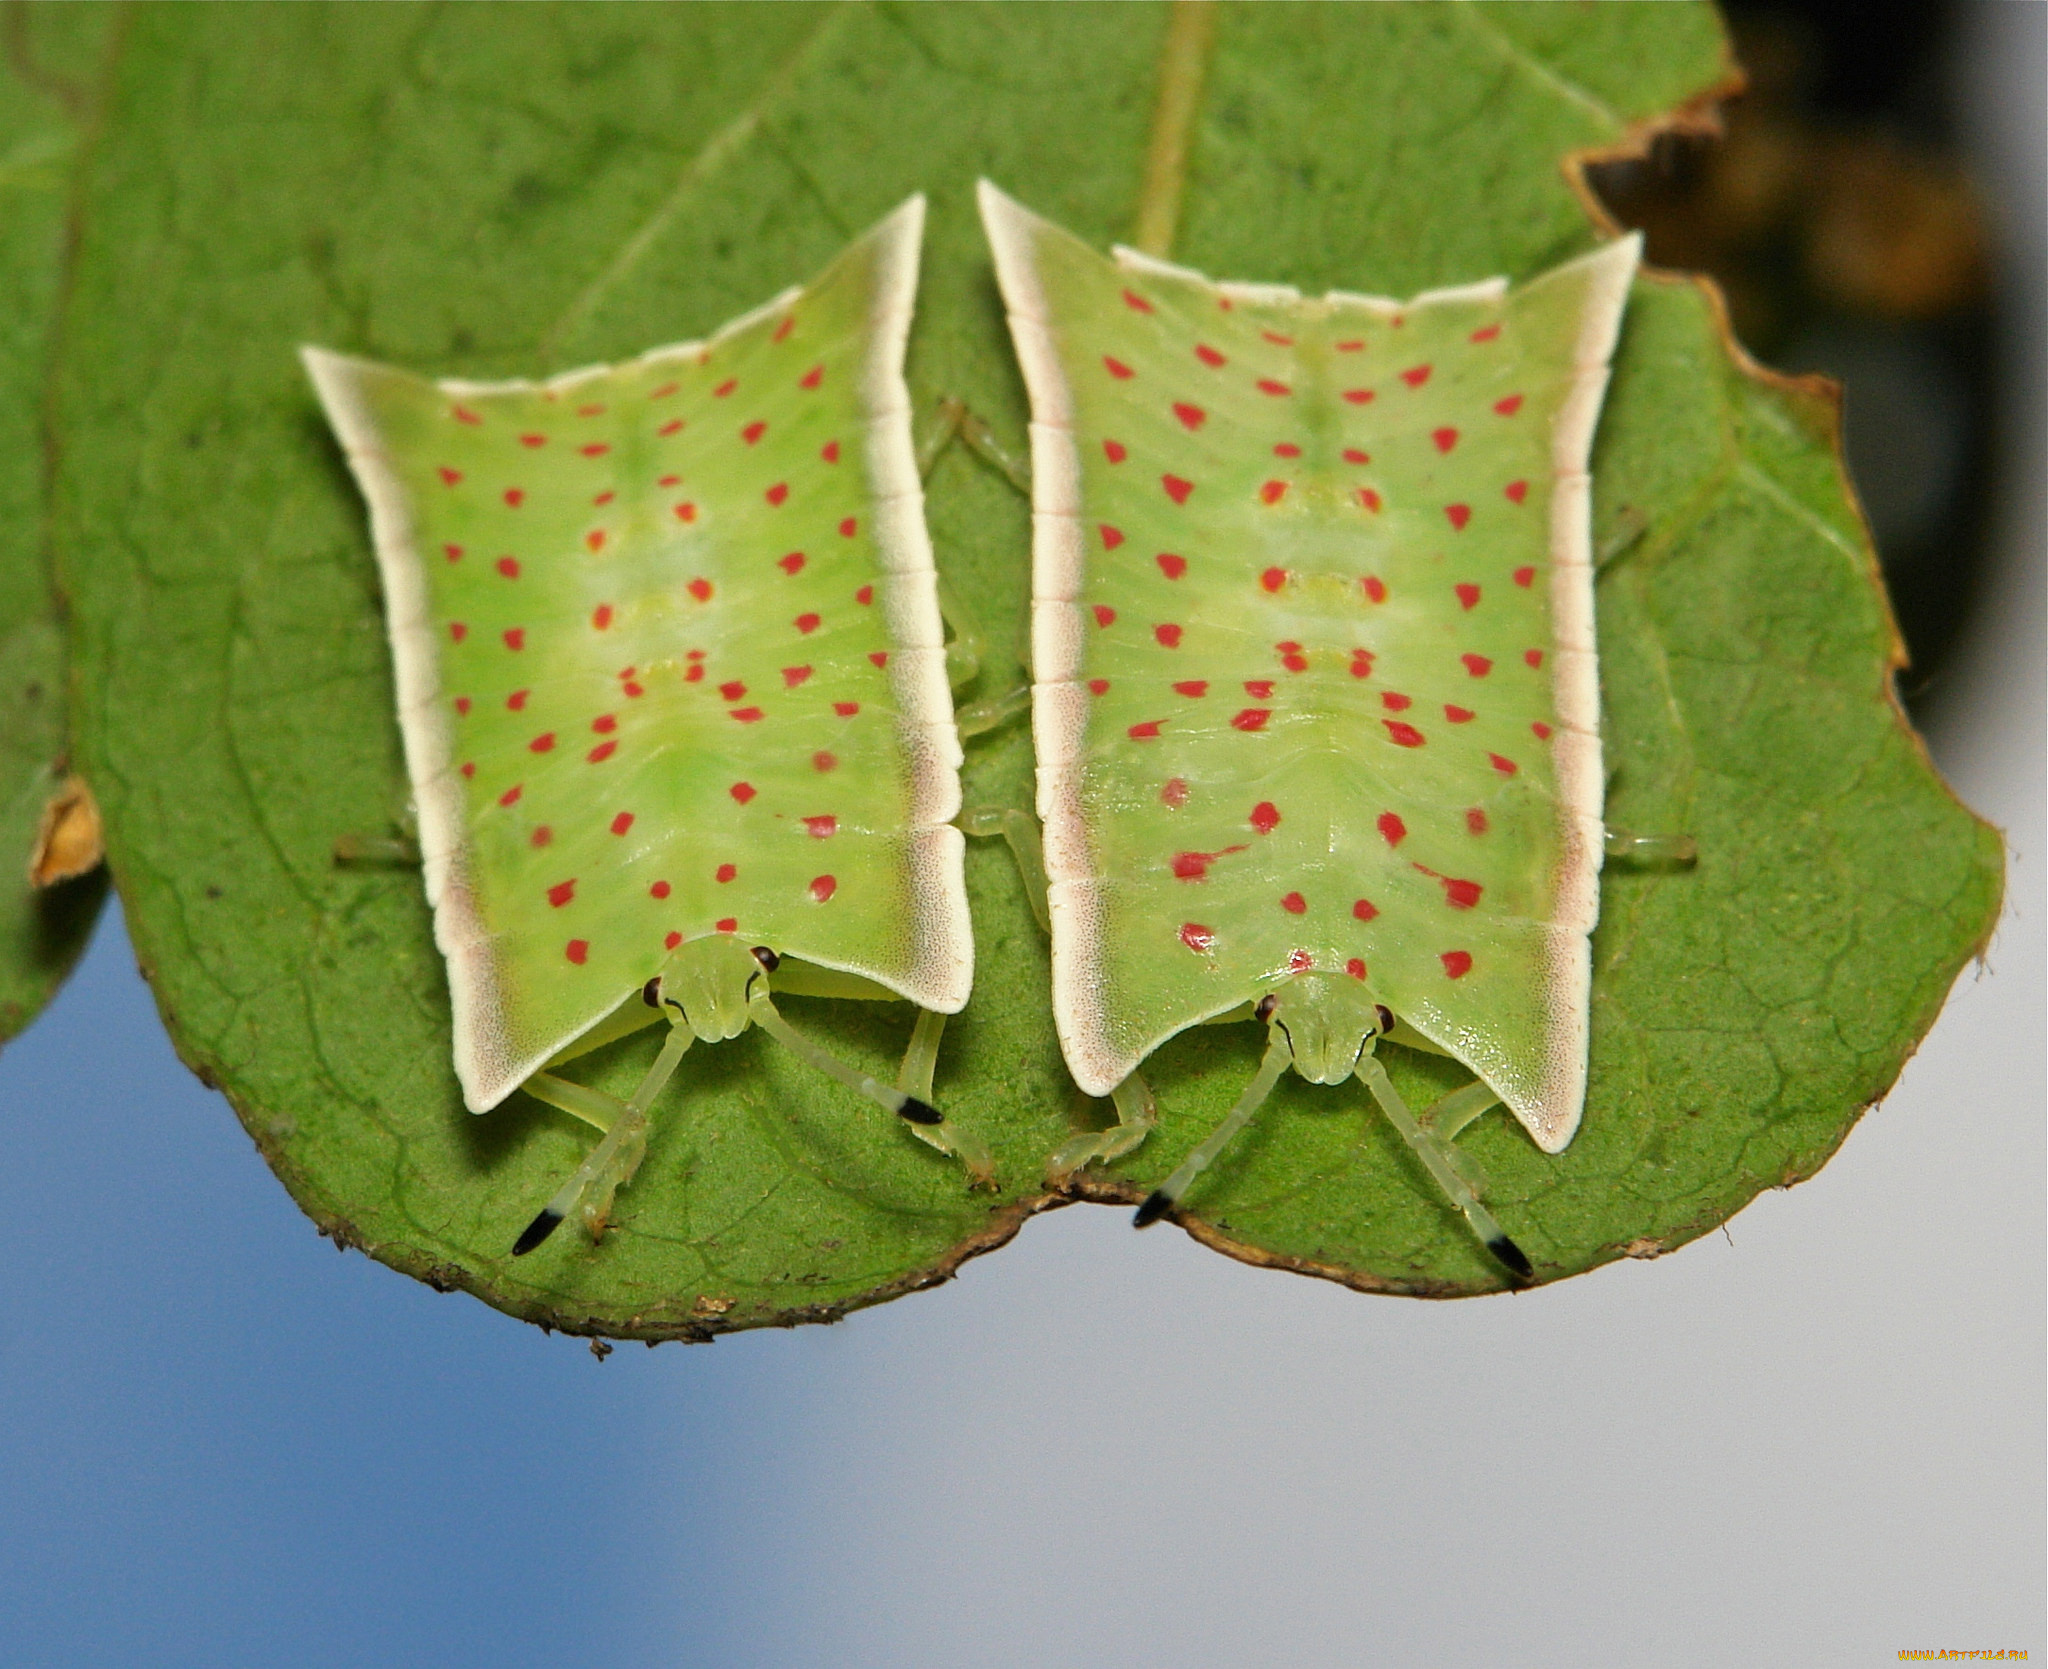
<point>590,411</point>
<point>1273,579</point>
<point>1136,302</point>
<point>1265,817</point>
<point>1525,577</point>
<point>578,951</point>
<point>541,836</point>
<point>777,493</point>
<point>1460,895</point>
<point>660,889</point>
<point>1098,686</point>
<point>1416,375</point>
<point>1116,368</point>
<point>743,791</point>
<point>753,432</point>
<point>1111,536</point>
<point>1355,968</point>
<point>596,449</point>
<point>1458,515</point>
<point>1392,829</point>
<point>462,705</point>
<point>1272,492</point>
<point>1475,821</point>
<point>603,498</point>
<point>1478,665</point>
<point>594,539</point>
<point>453,552</point>
<point>601,616</point>
<point>622,822</point>
<point>1445,438</point>
<point>664,391</point>
<point>1286,449</point>
<point>724,389</point>
<point>864,596</point>
<point>1349,347</point>
<point>1516,491</point>
<point>450,477</point>
<point>1542,730</point>
<point>1299,961</point>
<point>821,828</point>
<point>1291,657</point>
<point>831,452</point>
<point>1486,333</point>
<point>792,563</point>
<point>1468,595</point>
<point>794,675</point>
<point>634,690</point>
<point>1370,499</point>
<point>1199,939</point>
<point>1364,909</point>
<point>724,873</point>
<point>783,329</point>
<point>1459,715</point>
<point>1353,456</point>
<point>1509,406</point>
<point>1277,339</point>
<point>673,426</point>
<point>1457,963</point>
<point>1191,417</point>
<point>823,761</point>
<point>1114,451</point>
<point>1506,767</point>
<point>1191,866</point>
<point>469,767</point>
<point>1395,702</point>
<point>671,940</point>
<point>1375,588</point>
<point>1361,663</point>
<point>1175,793</point>
<point>514,497</point>
<point>686,512</point>
<point>1252,718</point>
<point>1209,356</point>
<point>879,656</point>
<point>811,378</point>
<point>733,691</point>
<point>604,724</point>
<point>1359,396</point>
<point>1145,732</point>
<point>1268,386</point>
<point>1176,488</point>
<point>849,527</point>
<point>511,796</point>
<point>726,924</point>
<point>515,637</point>
<point>543,743</point>
<point>1193,688</point>
<point>700,588</point>
<point>1259,689</point>
<point>1403,734</point>
<point>1532,657</point>
<point>533,440</point>
<point>462,414</point>
<point>1295,905</point>
<point>806,623</point>
<point>516,701</point>
<point>746,715</point>
<point>1170,565</point>
<point>823,888</point>
<point>846,709</point>
<point>693,674</point>
<point>1168,636</point>
<point>1104,614</point>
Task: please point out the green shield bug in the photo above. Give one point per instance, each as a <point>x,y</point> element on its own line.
<point>1315,696</point>
<point>672,682</point>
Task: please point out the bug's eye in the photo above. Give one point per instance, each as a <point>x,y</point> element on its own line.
<point>650,993</point>
<point>767,958</point>
<point>1386,1015</point>
<point>1265,1009</point>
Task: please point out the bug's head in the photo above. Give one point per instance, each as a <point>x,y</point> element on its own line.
<point>706,982</point>
<point>1329,1021</point>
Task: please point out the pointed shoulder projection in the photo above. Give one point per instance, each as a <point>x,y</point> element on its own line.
<point>1313,649</point>
<point>669,660</point>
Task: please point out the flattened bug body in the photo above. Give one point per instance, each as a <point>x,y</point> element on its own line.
<point>672,684</point>
<point>1315,693</point>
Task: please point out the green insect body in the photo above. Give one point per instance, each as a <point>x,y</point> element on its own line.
<point>671,672</point>
<point>1315,698</point>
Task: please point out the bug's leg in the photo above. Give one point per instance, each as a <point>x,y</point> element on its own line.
<point>1449,1114</point>
<point>613,1161</point>
<point>1137,1116</point>
<point>762,1011</point>
<point>1167,1195</point>
<point>1630,524</point>
<point>914,1078</point>
<point>593,1106</point>
<point>1020,829</point>
<point>1434,1152</point>
<point>1675,850</point>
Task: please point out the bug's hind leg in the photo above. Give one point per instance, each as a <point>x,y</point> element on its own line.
<point>1167,1195</point>
<point>1433,1148</point>
<point>1662,851</point>
<point>1137,1116</point>
<point>1019,829</point>
<point>611,1164</point>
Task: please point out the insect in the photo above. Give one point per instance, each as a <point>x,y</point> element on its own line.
<point>672,681</point>
<point>1315,700</point>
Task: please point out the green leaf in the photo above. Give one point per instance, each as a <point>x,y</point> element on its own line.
<point>491,192</point>
<point>45,93</point>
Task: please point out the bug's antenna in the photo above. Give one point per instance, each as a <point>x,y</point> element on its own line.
<point>1279,1056</point>
<point>1430,1150</point>
<point>765,1015</point>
